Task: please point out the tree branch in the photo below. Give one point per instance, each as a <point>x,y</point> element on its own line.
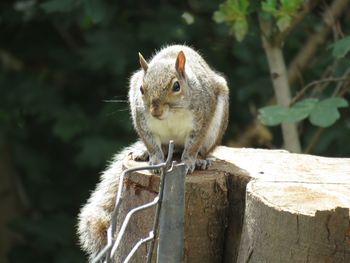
<point>339,92</point>
<point>10,62</point>
<point>281,87</point>
<point>303,58</point>
<point>302,92</point>
<point>66,36</point>
<point>314,140</point>
<point>10,201</point>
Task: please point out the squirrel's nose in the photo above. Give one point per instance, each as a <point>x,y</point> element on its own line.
<point>156,111</point>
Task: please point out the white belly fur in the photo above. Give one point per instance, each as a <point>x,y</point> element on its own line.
<point>177,127</point>
<point>215,125</point>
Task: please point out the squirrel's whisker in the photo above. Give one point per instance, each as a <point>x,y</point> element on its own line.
<point>124,101</point>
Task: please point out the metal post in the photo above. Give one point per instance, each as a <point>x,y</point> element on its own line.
<point>107,253</point>
<point>171,229</point>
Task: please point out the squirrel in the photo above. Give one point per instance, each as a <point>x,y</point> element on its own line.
<point>176,96</point>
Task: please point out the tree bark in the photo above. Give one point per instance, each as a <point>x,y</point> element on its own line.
<point>253,206</point>
<point>296,208</point>
<point>299,222</point>
<point>281,87</point>
<point>206,210</point>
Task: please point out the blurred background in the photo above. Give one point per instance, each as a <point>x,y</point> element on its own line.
<point>64,70</point>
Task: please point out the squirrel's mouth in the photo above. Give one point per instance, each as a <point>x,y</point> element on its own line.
<point>161,117</point>
<point>160,112</point>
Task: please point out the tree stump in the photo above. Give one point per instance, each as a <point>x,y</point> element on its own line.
<point>205,213</point>
<point>297,207</point>
<point>254,206</point>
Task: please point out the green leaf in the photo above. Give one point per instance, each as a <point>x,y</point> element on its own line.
<point>95,9</point>
<point>61,6</point>
<point>219,16</point>
<point>234,13</point>
<point>341,47</point>
<point>240,29</point>
<point>322,114</point>
<point>243,5</point>
<point>283,22</point>
<point>283,11</point>
<point>269,6</point>
<point>326,112</point>
<point>189,18</point>
<point>301,110</point>
<point>291,7</point>
<point>273,115</point>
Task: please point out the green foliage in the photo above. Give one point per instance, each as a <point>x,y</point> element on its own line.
<point>341,47</point>
<point>49,242</point>
<point>234,12</point>
<point>275,20</point>
<point>325,112</point>
<point>96,10</point>
<point>62,6</point>
<point>283,11</point>
<point>322,113</point>
<point>61,60</point>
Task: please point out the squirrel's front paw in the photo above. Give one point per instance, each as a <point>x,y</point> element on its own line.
<point>190,164</point>
<point>204,164</point>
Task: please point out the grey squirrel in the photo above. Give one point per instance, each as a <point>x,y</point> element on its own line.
<point>176,96</point>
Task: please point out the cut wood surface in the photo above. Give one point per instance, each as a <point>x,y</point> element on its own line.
<point>255,205</point>
<point>297,206</point>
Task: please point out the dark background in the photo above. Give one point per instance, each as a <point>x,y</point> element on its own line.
<point>60,63</point>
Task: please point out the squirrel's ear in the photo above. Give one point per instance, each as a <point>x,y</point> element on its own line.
<point>143,63</point>
<point>180,63</point>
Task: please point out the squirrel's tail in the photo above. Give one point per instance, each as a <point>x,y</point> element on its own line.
<point>95,216</point>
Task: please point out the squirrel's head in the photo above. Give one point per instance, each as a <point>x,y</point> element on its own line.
<point>163,86</point>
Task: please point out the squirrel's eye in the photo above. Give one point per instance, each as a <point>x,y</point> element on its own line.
<point>176,86</point>
<point>142,91</point>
